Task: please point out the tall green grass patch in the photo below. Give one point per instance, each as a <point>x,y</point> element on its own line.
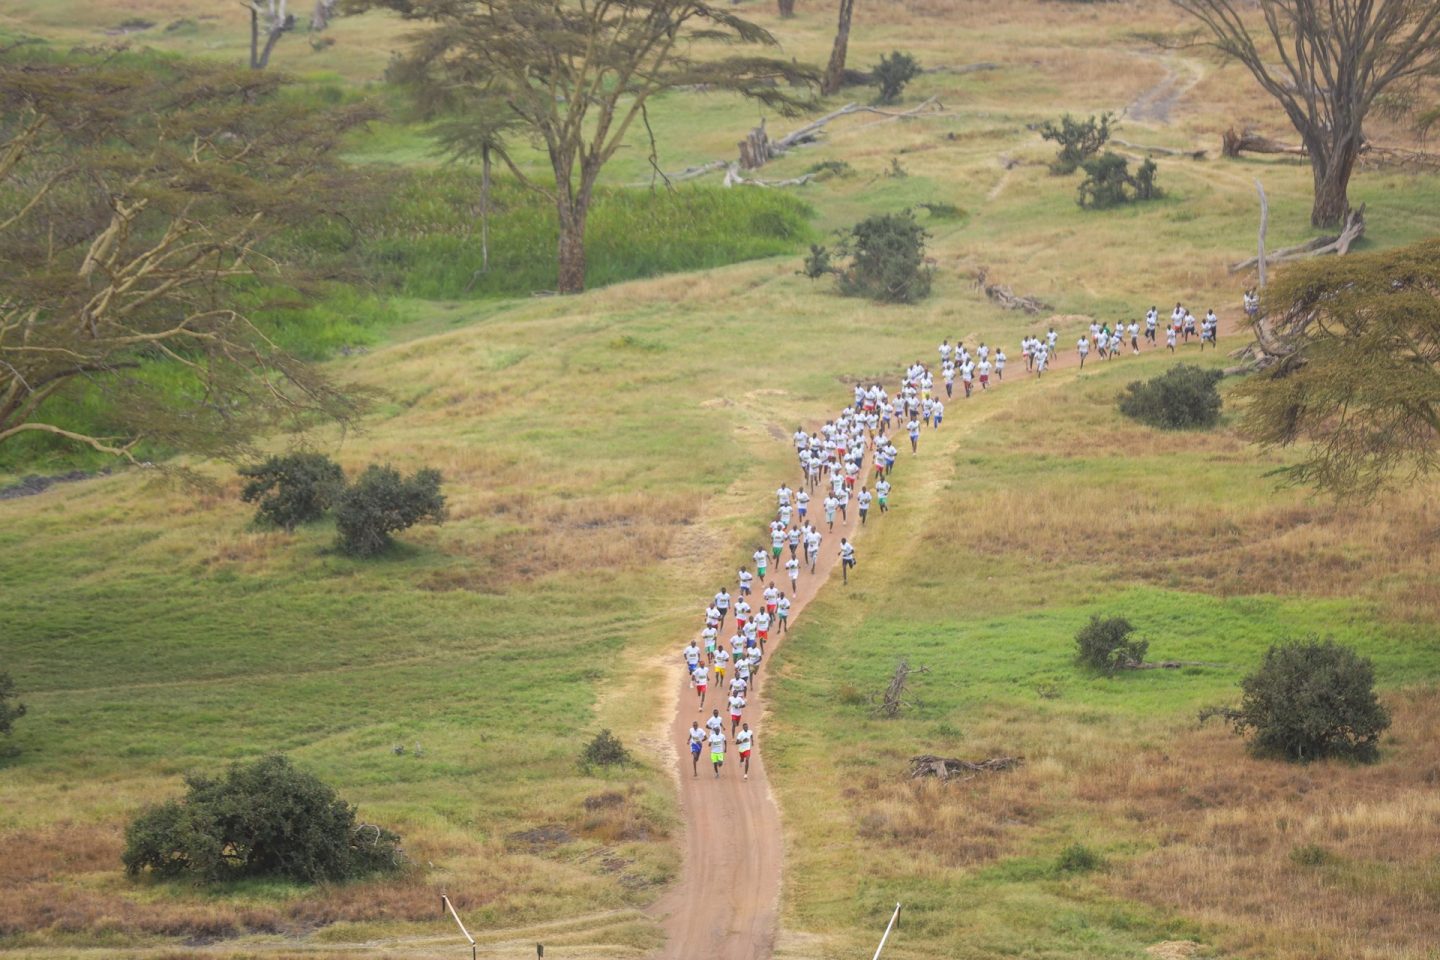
<point>424,238</point>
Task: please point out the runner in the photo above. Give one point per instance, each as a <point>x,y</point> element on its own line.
<point>831,505</point>
<point>737,703</point>
<point>722,660</point>
<point>847,559</point>
<point>722,603</point>
<point>762,562</point>
<point>999,364</point>
<point>1170,339</point>
<point>882,494</point>
<point>1152,320</point>
<point>697,738</point>
<point>708,635</point>
<point>812,547</point>
<point>745,577</point>
<point>913,428</point>
<point>792,567</point>
<point>700,676</point>
<point>745,742</point>
<point>1082,347</point>
<point>940,407</point>
<point>718,749</point>
<point>802,504</point>
<point>784,611</point>
<point>691,655</point>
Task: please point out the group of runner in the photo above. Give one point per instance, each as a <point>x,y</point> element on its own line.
<point>1108,342</point>
<point>849,461</point>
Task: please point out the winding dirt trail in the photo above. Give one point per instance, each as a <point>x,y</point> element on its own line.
<point>726,904</point>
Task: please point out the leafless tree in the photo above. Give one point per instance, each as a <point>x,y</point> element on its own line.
<point>1326,62</point>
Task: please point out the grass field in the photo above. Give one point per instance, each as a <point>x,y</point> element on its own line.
<point>607,459</point>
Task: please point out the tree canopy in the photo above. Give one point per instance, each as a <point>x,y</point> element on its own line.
<point>138,196</point>
<point>1325,64</point>
<point>1355,345</point>
<point>576,77</point>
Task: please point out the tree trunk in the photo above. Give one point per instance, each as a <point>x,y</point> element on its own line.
<point>787,8</point>
<point>485,208</point>
<point>1332,183</point>
<point>835,71</point>
<point>570,275</point>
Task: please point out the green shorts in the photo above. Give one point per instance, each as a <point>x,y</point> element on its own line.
<point>775,552</point>
<point>716,757</point>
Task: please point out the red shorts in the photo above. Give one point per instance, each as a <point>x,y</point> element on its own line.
<point>984,378</point>
<point>850,482</point>
<point>763,634</point>
<point>741,621</point>
<point>735,717</point>
<point>770,608</point>
<point>699,686</point>
<point>744,754</point>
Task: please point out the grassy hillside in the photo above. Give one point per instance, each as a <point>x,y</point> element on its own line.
<point>607,459</point>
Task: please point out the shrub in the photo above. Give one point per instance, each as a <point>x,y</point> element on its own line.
<point>1311,855</point>
<point>605,750</point>
<point>1182,398</point>
<point>1108,182</point>
<point>1312,699</point>
<point>261,819</point>
<point>11,709</point>
<point>1078,858</point>
<point>887,259</point>
<point>293,489</point>
<point>1105,644</point>
<point>817,264</point>
<point>382,502</point>
<point>1079,140</point>
<point>893,73</point>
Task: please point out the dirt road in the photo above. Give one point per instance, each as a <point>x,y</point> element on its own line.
<point>725,905</point>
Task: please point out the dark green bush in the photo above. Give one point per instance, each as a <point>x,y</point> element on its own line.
<point>894,72</point>
<point>1312,699</point>
<point>294,489</point>
<point>1182,398</point>
<point>1108,182</point>
<point>605,750</point>
<point>887,259</point>
<point>11,709</point>
<point>1079,140</point>
<point>1105,644</point>
<point>817,263</point>
<point>261,819</point>
<point>1078,858</point>
<point>382,502</point>
<point>1311,855</point>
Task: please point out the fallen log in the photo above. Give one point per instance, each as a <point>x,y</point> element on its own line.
<point>734,178</point>
<point>1389,156</point>
<point>894,696</point>
<point>1161,151</point>
<point>690,173</point>
<point>928,765</point>
<point>1353,229</point>
<point>1232,144</point>
<point>1006,298</point>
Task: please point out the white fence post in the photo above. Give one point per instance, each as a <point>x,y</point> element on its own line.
<point>888,927</point>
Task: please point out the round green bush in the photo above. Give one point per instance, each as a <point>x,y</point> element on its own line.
<point>1182,398</point>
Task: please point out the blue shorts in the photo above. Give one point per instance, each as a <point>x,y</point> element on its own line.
<point>694,748</point>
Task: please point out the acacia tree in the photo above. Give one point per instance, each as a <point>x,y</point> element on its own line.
<point>272,19</point>
<point>576,75</point>
<point>1353,345</point>
<point>136,197</point>
<point>1326,63</point>
<point>835,69</point>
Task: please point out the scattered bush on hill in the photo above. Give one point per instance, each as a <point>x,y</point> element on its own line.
<point>292,489</point>
<point>1108,182</point>
<point>260,819</point>
<point>886,259</point>
<point>893,73</point>
<point>1079,140</point>
<point>1105,644</point>
<point>1312,699</point>
<point>382,502</point>
<point>817,263</point>
<point>1078,858</point>
<point>1182,398</point>
<point>11,709</point>
<point>604,750</point>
